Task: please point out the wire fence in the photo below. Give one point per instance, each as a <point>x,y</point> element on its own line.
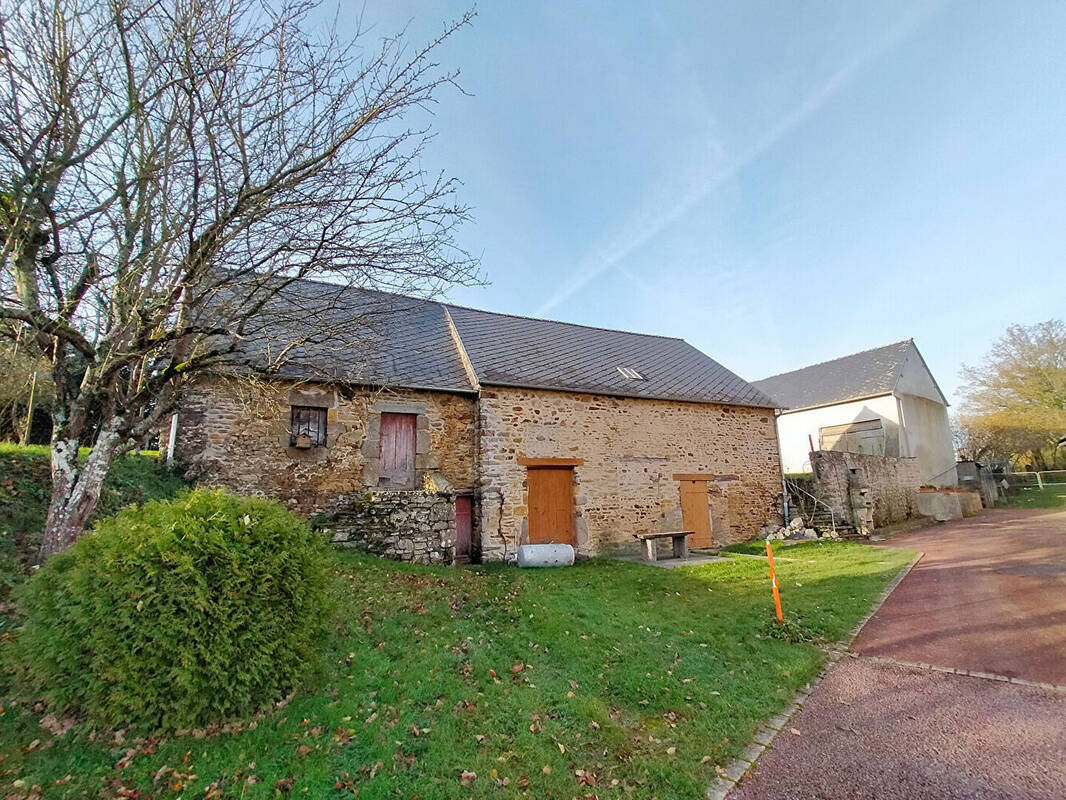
<point>1033,480</point>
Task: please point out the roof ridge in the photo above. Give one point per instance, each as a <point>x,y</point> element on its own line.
<point>909,340</point>
<point>449,304</point>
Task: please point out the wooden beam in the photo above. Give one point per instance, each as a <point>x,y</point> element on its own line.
<point>705,476</point>
<point>550,462</point>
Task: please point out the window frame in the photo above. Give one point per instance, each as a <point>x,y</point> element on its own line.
<point>316,425</point>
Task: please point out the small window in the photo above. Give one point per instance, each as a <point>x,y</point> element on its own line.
<point>630,373</point>
<point>866,437</point>
<point>308,427</point>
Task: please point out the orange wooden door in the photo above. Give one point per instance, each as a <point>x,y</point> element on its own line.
<point>696,512</point>
<point>551,506</point>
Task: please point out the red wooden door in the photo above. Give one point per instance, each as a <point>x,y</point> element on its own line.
<point>463,527</point>
<point>397,451</point>
<point>551,505</point>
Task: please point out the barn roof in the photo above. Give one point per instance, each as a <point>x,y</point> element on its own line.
<point>507,350</point>
<point>376,338</point>
<point>866,374</point>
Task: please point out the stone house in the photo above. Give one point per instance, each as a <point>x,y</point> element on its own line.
<point>880,402</point>
<point>440,433</point>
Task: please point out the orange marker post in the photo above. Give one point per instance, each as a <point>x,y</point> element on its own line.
<point>773,581</point>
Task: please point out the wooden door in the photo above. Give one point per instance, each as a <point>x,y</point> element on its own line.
<point>696,512</point>
<point>463,528</point>
<point>396,466</point>
<point>551,505</point>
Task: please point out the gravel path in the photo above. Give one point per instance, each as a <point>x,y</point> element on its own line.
<point>989,596</point>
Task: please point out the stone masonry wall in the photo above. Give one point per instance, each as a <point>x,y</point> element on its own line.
<point>236,436</point>
<point>892,483</point>
<point>631,448</point>
<point>402,525</point>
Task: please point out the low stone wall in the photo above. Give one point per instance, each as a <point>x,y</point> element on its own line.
<point>890,484</point>
<point>403,525</point>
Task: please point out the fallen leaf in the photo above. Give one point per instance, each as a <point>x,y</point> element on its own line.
<point>57,727</point>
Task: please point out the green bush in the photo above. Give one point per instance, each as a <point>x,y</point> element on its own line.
<point>179,613</point>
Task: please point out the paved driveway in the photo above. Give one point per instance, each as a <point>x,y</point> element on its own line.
<point>989,597</point>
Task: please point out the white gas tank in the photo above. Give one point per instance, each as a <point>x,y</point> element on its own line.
<point>545,555</point>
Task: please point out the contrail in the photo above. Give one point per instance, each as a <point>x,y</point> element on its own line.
<point>623,246</point>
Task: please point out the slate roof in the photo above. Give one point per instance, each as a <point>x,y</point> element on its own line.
<point>507,350</point>
<point>866,374</point>
<point>374,338</point>
<point>360,336</point>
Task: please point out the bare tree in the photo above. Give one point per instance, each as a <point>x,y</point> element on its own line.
<point>167,168</point>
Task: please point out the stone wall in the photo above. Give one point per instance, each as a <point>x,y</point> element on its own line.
<point>402,525</point>
<point>236,436</point>
<point>892,485</point>
<point>631,450</point>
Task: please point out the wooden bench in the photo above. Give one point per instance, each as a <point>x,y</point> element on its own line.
<point>680,540</point>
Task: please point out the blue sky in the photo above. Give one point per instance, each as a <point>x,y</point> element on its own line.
<point>777,183</point>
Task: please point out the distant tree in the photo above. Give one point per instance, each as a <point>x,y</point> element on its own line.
<point>167,167</point>
<point>26,389</point>
<point>1015,401</point>
<point>971,443</point>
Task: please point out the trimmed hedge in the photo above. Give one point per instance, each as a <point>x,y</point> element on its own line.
<point>179,613</point>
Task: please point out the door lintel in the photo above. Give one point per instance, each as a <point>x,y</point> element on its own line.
<point>533,463</point>
<point>695,476</point>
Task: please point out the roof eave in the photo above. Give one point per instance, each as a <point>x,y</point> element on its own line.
<point>371,384</point>
<point>485,384</point>
<point>787,410</point>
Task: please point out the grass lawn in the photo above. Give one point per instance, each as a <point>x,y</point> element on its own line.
<point>607,679</point>
<point>1048,497</point>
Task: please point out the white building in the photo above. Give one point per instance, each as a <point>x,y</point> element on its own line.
<point>880,402</point>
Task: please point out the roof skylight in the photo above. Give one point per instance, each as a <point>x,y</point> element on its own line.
<point>630,373</point>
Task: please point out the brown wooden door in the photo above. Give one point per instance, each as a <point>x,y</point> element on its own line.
<point>463,528</point>
<point>696,512</point>
<point>397,452</point>
<point>551,506</point>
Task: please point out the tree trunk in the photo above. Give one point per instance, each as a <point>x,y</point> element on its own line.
<point>75,490</point>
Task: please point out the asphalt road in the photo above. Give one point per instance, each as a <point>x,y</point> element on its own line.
<point>989,596</point>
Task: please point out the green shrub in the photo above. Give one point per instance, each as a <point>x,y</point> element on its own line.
<point>178,613</point>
